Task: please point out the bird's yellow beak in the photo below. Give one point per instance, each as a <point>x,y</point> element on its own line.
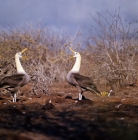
<point>71,50</point>
<point>23,50</point>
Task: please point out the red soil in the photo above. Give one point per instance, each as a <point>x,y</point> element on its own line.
<point>33,117</point>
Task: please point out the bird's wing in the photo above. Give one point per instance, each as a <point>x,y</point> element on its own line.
<point>85,82</point>
<point>11,81</point>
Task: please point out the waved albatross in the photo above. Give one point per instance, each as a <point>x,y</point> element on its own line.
<point>82,83</point>
<point>15,81</point>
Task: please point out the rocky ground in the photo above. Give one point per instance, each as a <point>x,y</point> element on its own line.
<point>60,116</point>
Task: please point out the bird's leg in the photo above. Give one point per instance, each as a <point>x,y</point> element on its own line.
<point>80,92</point>
<point>14,97</point>
<point>80,96</point>
<point>14,93</point>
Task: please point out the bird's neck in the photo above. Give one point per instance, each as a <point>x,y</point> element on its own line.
<point>76,67</point>
<point>19,66</point>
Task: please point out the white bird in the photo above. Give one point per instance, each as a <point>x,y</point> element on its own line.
<point>82,83</point>
<point>18,80</point>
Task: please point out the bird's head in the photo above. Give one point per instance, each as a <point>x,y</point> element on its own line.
<point>76,54</point>
<point>19,54</point>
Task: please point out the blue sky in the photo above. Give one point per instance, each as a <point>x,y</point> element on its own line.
<point>57,14</point>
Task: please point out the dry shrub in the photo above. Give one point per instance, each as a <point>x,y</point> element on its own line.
<point>113,48</point>
<point>109,54</point>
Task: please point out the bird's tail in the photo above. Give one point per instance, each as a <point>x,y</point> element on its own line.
<point>94,90</point>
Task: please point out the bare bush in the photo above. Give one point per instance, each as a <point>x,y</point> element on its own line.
<point>110,55</point>
<point>114,50</point>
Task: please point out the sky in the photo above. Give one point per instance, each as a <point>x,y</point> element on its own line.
<point>58,14</point>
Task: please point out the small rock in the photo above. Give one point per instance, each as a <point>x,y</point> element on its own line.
<point>60,100</point>
<point>48,106</point>
<point>68,97</point>
<point>118,106</point>
<point>126,93</point>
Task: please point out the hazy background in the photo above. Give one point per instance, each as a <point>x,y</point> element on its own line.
<point>57,14</point>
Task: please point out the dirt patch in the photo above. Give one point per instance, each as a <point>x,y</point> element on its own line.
<point>60,116</point>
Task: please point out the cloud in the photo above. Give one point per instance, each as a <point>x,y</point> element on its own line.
<point>62,13</point>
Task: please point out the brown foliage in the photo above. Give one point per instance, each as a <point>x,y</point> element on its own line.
<point>110,54</point>
<point>114,48</point>
<point>46,60</point>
